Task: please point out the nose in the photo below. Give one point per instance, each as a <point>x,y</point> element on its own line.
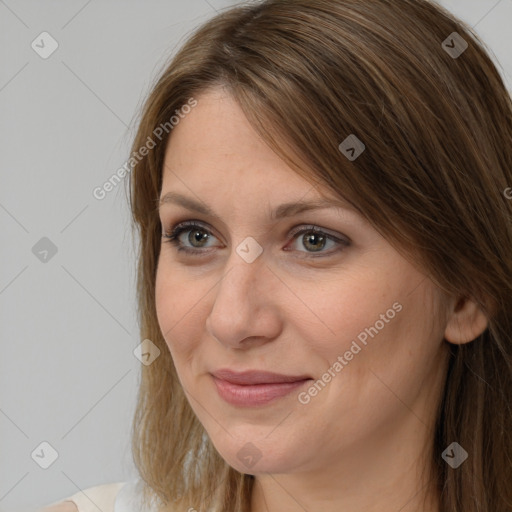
<point>246,310</point>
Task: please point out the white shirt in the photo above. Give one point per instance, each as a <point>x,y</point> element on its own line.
<point>116,497</point>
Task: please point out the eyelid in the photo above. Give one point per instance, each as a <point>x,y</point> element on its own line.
<point>300,226</point>
<point>193,223</point>
<point>319,229</point>
<point>178,228</point>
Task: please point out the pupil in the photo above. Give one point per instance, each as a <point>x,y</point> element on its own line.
<point>200,237</point>
<point>310,238</point>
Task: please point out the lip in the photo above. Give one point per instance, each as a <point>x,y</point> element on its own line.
<point>255,388</point>
<point>253,377</point>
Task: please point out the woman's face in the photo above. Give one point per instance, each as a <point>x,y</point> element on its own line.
<point>358,320</point>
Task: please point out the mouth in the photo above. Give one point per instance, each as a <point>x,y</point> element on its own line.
<point>255,377</point>
<point>255,388</point>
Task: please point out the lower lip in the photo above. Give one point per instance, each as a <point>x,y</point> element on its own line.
<point>253,395</point>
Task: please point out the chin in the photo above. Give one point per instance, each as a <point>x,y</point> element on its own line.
<point>254,454</point>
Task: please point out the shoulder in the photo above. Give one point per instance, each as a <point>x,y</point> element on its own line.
<point>63,506</point>
<point>89,500</point>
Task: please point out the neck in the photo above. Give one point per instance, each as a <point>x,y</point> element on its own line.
<point>383,478</point>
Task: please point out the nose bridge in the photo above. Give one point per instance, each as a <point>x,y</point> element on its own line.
<point>245,266</point>
<point>241,300</point>
<point>241,280</point>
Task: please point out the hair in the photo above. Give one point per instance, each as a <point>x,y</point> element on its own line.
<point>437,131</point>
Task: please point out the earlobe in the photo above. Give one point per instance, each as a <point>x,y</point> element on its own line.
<point>466,322</point>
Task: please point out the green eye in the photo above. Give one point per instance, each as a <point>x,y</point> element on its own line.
<point>199,234</point>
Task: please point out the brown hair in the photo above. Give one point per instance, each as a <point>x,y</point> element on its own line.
<point>438,135</point>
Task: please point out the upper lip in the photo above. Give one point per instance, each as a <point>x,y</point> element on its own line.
<point>255,377</point>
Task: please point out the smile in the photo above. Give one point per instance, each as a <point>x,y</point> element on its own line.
<point>254,394</point>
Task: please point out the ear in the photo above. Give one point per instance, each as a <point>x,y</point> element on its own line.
<point>466,322</point>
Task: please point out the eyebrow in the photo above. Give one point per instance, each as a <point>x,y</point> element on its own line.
<point>282,211</point>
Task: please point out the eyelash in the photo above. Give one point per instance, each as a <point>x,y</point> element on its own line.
<point>177,230</point>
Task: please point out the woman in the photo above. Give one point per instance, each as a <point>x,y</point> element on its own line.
<point>376,374</point>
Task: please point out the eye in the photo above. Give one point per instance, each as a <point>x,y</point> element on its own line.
<point>316,239</point>
<point>313,238</point>
<point>197,234</point>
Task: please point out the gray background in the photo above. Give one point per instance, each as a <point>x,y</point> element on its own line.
<point>68,327</point>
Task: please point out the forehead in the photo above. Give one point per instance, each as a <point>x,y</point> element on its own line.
<point>215,143</point>
<point>215,152</point>
<point>216,130</point>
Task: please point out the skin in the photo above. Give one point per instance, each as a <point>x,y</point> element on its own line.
<point>65,506</point>
<point>361,442</point>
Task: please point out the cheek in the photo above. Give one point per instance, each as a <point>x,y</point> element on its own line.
<point>370,318</point>
<point>341,309</point>
<point>165,302</point>
<point>179,306</point>
<point>170,305</point>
